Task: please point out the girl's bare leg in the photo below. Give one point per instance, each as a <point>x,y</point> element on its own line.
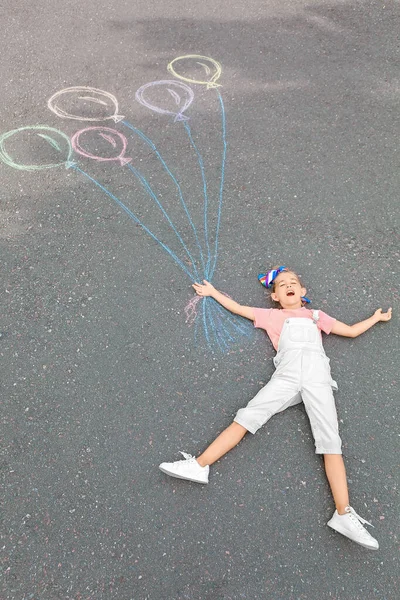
<point>226,440</point>
<point>336,474</point>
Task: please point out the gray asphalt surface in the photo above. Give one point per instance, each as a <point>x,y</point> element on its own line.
<point>102,378</point>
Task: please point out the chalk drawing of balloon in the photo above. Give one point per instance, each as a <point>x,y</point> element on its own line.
<point>166,97</point>
<point>50,147</point>
<point>82,103</point>
<point>108,144</point>
<point>195,68</point>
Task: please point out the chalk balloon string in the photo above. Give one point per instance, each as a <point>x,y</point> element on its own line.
<point>154,149</point>
<point>138,221</point>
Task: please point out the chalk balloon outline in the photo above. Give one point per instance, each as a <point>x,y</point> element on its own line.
<point>60,112</point>
<point>6,158</point>
<point>179,116</point>
<point>123,160</point>
<point>210,83</point>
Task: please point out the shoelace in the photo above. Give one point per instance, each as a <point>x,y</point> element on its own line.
<point>357,519</point>
<point>186,455</point>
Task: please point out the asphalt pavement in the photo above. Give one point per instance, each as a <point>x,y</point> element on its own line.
<point>269,136</point>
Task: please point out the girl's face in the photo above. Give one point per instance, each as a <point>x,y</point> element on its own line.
<point>288,290</point>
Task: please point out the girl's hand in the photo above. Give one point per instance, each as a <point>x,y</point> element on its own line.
<point>383,316</point>
<point>204,289</point>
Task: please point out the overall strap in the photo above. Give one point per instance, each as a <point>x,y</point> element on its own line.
<point>315,316</point>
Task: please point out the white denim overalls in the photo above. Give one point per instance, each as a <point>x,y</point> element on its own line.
<point>302,374</point>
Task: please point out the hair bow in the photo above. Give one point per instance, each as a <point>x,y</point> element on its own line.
<point>267,279</point>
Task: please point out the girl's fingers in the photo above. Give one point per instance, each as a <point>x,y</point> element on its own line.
<point>384,316</point>
<point>198,288</point>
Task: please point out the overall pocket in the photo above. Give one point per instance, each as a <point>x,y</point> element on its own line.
<point>302,334</point>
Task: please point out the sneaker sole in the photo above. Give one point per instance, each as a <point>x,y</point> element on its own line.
<point>345,533</point>
<point>171,474</point>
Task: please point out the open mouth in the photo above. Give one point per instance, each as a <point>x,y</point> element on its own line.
<point>290,293</point>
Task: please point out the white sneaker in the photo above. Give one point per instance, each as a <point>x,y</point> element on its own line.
<point>350,525</point>
<point>186,469</point>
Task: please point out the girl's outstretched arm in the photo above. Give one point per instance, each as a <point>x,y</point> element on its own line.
<point>359,328</point>
<point>206,289</point>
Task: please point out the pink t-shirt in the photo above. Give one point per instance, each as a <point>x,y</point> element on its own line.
<point>272,320</point>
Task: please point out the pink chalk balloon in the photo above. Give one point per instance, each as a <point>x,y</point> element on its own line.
<point>116,140</point>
